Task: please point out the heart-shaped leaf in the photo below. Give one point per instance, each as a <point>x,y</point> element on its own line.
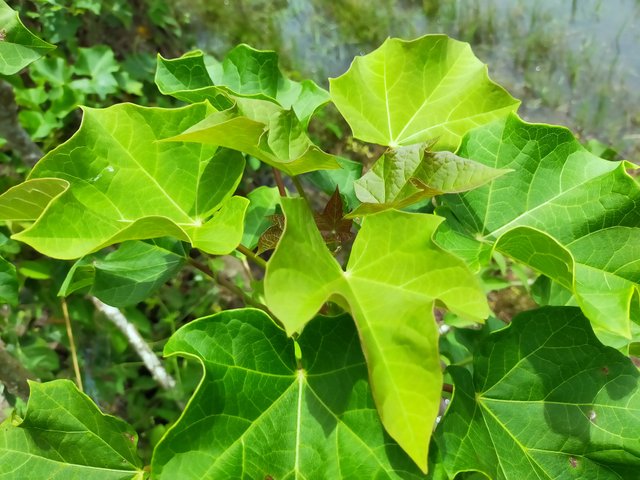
<point>431,88</point>
<point>261,411</point>
<point>394,276</point>
<point>18,46</point>
<point>122,184</point>
<point>546,400</point>
<point>581,214</point>
<point>64,435</point>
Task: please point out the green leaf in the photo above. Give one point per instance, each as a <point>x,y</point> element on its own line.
<point>128,275</point>
<point>263,201</point>
<point>264,130</point>
<point>546,400</point>
<point>99,64</point>
<point>123,185</point>
<point>394,276</point>
<point>406,175</point>
<point>27,201</point>
<point>410,92</point>
<point>186,78</point>
<point>18,46</point>
<point>261,413</point>
<point>8,283</point>
<point>563,211</point>
<point>245,72</point>
<point>64,435</point>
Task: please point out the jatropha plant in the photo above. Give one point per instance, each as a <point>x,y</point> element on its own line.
<point>342,369</point>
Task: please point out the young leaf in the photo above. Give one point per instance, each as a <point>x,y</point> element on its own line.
<point>18,46</point>
<point>245,72</point>
<point>123,184</point>
<point>128,275</point>
<point>27,201</point>
<point>264,130</point>
<point>406,175</point>
<point>546,400</point>
<point>64,435</point>
<point>581,212</point>
<point>394,276</point>
<point>431,88</point>
<point>258,413</point>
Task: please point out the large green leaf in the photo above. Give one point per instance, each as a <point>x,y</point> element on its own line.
<point>266,131</point>
<point>18,46</point>
<point>406,175</point>
<point>65,436</point>
<point>122,184</point>
<point>259,412</point>
<point>410,92</point>
<point>8,283</point>
<point>245,72</point>
<point>546,401</point>
<point>394,276</point>
<point>128,275</point>
<point>581,212</point>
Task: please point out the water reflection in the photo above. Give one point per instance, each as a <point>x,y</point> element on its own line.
<point>572,63</point>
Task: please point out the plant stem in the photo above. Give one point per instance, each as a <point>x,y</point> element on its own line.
<point>300,189</point>
<point>261,262</point>
<point>447,387</point>
<point>228,284</point>
<point>72,344</point>
<point>278,178</point>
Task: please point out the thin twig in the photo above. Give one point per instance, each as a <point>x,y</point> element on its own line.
<point>228,284</point>
<point>150,360</point>
<point>261,262</point>
<point>278,178</point>
<point>72,344</point>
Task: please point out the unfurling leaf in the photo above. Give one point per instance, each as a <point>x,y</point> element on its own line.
<point>406,175</point>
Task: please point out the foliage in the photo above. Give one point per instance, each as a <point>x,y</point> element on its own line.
<point>338,371</point>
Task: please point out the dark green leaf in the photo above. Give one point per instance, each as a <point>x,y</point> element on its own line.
<point>258,414</point>
<point>546,401</point>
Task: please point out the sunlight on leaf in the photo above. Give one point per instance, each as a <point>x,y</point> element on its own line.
<point>409,92</point>
<point>394,276</point>
<point>122,184</point>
